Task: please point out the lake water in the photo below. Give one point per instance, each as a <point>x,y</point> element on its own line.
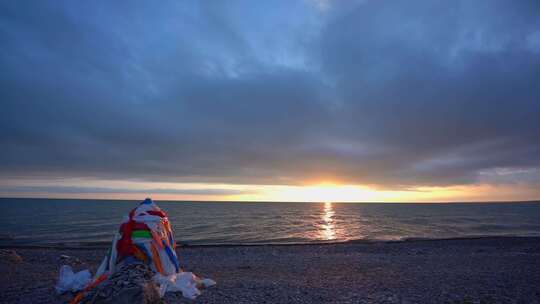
<point>51,221</point>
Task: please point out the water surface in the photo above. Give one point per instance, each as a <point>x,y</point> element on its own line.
<point>52,221</point>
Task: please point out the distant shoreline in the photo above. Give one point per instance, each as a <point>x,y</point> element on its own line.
<point>535,201</point>
<point>106,245</point>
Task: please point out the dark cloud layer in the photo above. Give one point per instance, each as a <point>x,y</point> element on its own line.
<point>382,93</point>
<point>102,190</point>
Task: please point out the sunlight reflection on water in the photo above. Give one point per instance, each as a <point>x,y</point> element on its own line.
<point>88,221</point>
<point>328,229</point>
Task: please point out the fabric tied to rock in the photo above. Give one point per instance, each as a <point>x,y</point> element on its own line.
<point>146,236</point>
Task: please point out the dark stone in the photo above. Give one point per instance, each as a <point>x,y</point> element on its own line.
<point>9,256</point>
<point>129,284</point>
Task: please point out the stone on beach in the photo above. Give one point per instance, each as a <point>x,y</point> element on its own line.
<point>10,256</point>
<point>130,284</point>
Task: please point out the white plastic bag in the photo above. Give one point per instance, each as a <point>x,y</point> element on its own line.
<point>185,282</point>
<point>68,280</point>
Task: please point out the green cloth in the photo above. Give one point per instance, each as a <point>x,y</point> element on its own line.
<point>141,234</point>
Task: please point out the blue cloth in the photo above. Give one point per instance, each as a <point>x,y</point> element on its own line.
<point>171,255</point>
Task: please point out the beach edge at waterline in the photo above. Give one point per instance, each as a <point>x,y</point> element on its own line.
<point>461,270</point>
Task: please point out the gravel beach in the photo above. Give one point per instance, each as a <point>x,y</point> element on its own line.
<point>486,270</point>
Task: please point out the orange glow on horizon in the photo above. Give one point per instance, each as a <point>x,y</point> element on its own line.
<point>330,192</point>
<point>320,192</point>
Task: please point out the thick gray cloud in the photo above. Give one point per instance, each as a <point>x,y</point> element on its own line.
<point>102,190</point>
<point>384,93</point>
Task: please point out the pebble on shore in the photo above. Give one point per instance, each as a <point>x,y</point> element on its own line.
<point>131,284</point>
<point>10,256</point>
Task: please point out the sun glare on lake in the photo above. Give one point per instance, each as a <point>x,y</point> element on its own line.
<point>328,229</point>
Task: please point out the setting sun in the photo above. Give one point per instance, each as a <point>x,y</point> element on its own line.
<point>326,192</point>
<point>330,192</point>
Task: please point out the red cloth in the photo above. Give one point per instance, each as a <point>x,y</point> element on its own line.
<point>124,246</point>
<point>136,226</point>
<point>157,213</point>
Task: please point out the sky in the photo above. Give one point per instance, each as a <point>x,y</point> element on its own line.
<point>308,100</point>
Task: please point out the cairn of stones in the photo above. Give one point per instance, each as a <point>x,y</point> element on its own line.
<point>130,284</point>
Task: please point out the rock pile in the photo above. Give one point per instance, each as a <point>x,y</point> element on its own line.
<point>130,284</point>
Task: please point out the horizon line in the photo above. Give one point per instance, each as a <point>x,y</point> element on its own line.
<point>301,202</point>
